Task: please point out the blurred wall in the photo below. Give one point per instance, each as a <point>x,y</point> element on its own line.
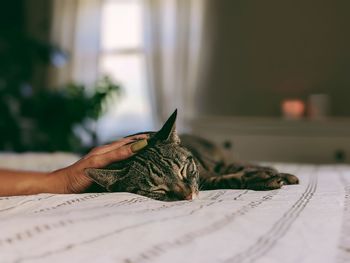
<point>37,18</point>
<point>264,51</point>
<point>22,19</point>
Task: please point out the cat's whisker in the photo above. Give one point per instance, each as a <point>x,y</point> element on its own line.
<point>200,185</point>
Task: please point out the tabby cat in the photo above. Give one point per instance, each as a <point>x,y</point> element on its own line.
<point>176,167</point>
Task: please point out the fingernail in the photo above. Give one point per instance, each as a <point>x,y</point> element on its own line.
<point>137,146</point>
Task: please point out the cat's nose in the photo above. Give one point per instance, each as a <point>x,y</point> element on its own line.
<point>191,196</point>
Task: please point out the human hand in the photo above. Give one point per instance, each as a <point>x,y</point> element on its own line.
<point>72,179</point>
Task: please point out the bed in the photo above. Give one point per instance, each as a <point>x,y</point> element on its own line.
<point>309,222</point>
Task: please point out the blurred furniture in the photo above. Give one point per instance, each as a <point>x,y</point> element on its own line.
<point>278,140</point>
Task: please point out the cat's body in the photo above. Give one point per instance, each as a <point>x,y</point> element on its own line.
<point>176,167</point>
<point>215,172</point>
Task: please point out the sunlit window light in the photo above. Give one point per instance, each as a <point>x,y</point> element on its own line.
<point>122,58</point>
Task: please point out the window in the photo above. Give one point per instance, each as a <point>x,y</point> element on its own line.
<point>122,58</point>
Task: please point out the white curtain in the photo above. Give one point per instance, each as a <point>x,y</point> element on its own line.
<point>175,54</point>
<point>176,48</point>
<point>76,29</point>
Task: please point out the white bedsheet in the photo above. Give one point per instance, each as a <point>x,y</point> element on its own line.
<point>309,222</point>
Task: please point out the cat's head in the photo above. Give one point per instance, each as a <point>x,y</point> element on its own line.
<point>164,170</point>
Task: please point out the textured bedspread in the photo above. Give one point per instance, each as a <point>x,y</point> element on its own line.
<point>309,222</point>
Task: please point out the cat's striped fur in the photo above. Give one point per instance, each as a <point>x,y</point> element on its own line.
<point>176,167</point>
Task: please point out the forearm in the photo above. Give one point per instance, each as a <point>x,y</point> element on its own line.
<point>14,182</point>
<point>71,179</point>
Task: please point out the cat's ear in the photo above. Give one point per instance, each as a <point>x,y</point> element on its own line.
<point>168,132</point>
<point>104,177</point>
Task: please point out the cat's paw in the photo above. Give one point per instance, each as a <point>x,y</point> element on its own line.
<point>266,178</point>
<point>262,179</point>
<point>289,178</point>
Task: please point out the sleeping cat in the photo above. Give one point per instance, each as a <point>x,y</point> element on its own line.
<point>176,167</point>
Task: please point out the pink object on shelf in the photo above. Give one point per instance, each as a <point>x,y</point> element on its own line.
<point>293,109</point>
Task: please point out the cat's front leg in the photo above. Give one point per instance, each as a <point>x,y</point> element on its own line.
<point>254,180</point>
<point>249,177</point>
<point>227,181</point>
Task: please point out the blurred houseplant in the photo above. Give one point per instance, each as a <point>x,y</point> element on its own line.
<point>50,116</point>
<point>38,118</point>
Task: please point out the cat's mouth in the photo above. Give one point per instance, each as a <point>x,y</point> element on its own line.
<point>173,196</point>
<point>192,196</point>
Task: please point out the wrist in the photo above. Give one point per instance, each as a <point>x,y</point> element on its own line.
<point>69,181</point>
<point>55,182</point>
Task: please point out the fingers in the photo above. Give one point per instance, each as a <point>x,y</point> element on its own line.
<point>103,159</point>
<point>125,141</point>
<point>117,144</point>
<point>139,137</point>
<point>107,158</point>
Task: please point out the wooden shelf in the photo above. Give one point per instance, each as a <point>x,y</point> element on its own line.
<point>273,126</point>
<point>274,139</point>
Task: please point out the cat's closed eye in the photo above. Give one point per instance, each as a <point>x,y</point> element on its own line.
<point>160,191</point>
